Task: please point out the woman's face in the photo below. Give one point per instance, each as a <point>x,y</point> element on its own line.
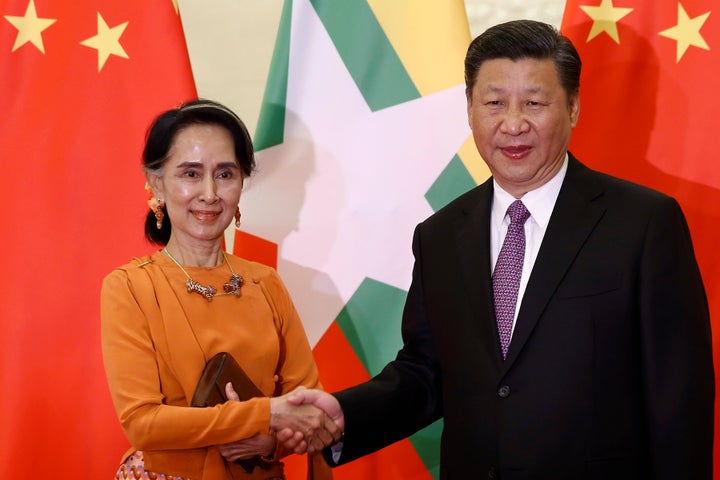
<point>200,184</point>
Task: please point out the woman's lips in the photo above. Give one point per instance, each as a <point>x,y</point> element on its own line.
<point>204,215</point>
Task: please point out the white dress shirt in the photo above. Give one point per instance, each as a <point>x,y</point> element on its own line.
<point>540,203</point>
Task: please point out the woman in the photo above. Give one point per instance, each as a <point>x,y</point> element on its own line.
<point>165,315</point>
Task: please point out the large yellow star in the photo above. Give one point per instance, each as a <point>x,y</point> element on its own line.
<point>30,27</point>
<point>605,18</point>
<point>687,32</point>
<point>107,41</point>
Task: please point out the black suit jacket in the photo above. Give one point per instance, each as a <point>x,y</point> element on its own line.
<point>609,374</point>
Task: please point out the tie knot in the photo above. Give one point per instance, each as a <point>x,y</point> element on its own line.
<point>518,212</point>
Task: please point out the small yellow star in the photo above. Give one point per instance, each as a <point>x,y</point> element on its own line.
<point>687,32</point>
<point>605,18</point>
<point>175,6</point>
<point>107,41</point>
<point>30,27</point>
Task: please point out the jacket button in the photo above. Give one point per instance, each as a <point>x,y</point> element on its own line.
<point>504,391</point>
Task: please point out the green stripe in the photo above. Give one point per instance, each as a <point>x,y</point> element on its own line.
<point>452,182</point>
<point>366,52</point>
<point>371,323</point>
<point>427,444</point>
<point>271,122</point>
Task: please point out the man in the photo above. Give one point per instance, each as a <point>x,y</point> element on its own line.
<point>573,343</point>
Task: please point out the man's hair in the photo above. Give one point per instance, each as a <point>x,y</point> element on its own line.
<point>520,39</point>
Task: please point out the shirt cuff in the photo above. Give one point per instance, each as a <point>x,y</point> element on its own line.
<point>336,451</point>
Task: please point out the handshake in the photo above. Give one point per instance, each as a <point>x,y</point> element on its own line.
<point>302,421</point>
<point>306,420</point>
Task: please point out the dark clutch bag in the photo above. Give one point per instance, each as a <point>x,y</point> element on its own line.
<point>219,370</point>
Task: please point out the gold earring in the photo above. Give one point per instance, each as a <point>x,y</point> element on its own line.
<point>159,215</point>
<point>155,205</point>
<point>237,217</point>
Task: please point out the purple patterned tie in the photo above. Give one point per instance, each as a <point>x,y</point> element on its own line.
<point>508,268</point>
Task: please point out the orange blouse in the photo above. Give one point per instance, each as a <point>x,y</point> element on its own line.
<point>156,339</point>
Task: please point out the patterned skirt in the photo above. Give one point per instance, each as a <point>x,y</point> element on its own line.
<point>134,469</point>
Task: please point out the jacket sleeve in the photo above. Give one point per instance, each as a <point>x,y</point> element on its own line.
<point>676,344</point>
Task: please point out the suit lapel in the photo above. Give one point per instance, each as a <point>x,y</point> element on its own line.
<point>577,210</point>
<point>473,245</point>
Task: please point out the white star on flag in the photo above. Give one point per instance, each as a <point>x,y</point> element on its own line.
<point>343,193</point>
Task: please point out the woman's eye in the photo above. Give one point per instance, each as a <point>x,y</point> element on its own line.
<point>227,174</point>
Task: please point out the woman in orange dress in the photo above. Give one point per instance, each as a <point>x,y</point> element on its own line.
<point>165,315</point>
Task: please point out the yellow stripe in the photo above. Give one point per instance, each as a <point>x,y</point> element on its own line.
<point>430,36</point>
<point>473,161</point>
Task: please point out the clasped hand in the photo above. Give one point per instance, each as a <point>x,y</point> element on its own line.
<point>303,420</point>
<point>306,420</point>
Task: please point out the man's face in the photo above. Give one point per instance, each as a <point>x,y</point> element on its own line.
<point>521,120</point>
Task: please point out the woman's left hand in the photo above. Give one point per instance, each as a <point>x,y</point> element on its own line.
<point>262,445</point>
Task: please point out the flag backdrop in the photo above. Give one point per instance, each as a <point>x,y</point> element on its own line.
<point>649,106</point>
<point>347,142</point>
<point>79,84</point>
<point>362,134</point>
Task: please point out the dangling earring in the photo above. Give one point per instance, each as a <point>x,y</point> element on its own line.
<point>237,217</point>
<point>159,215</point>
<point>155,205</point>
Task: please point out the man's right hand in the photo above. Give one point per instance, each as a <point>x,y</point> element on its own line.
<point>301,423</point>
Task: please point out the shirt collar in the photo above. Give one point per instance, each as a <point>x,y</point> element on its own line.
<point>539,202</point>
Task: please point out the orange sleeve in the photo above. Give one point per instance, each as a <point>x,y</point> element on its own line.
<point>296,365</point>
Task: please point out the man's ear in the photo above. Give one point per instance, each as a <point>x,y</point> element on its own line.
<point>468,99</point>
<point>574,109</point>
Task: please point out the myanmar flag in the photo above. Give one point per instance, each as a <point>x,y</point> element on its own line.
<point>80,82</point>
<point>363,133</point>
<point>649,105</point>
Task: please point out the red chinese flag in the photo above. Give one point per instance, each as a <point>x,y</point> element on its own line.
<point>79,84</point>
<point>649,105</point>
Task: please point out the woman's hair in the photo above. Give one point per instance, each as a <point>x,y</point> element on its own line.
<point>520,39</point>
<point>162,133</point>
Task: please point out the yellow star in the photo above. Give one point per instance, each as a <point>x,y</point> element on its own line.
<point>30,27</point>
<point>605,18</point>
<point>687,32</point>
<point>175,6</point>
<point>107,41</point>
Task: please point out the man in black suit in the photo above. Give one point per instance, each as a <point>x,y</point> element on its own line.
<point>602,367</point>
